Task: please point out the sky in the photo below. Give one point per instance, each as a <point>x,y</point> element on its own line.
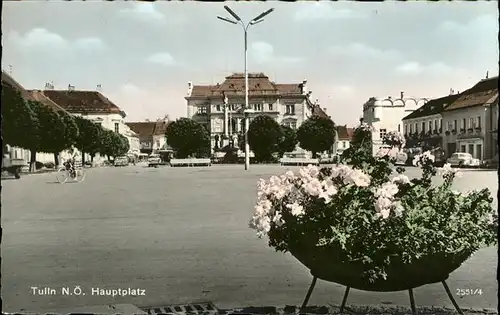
<point>144,54</point>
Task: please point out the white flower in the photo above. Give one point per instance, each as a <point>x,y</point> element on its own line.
<point>398,208</point>
<point>383,203</point>
<point>278,219</point>
<point>423,158</point>
<point>328,191</point>
<point>401,179</point>
<point>387,190</point>
<point>296,209</point>
<point>351,176</point>
<point>447,171</point>
<point>313,187</point>
<point>384,213</point>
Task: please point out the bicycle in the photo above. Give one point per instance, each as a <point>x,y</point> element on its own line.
<point>67,172</point>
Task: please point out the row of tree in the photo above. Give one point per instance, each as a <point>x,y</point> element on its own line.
<point>265,137</point>
<point>31,125</point>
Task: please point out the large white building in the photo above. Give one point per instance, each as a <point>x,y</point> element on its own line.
<point>386,114</point>
<point>470,123</point>
<point>288,104</point>
<point>94,106</point>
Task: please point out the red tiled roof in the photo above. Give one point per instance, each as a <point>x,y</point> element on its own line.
<point>318,111</point>
<point>344,133</point>
<point>83,102</point>
<point>7,79</point>
<point>37,95</point>
<point>258,84</point>
<point>143,129</point>
<point>483,93</point>
<point>148,128</point>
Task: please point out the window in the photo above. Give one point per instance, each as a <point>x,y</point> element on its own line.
<point>382,133</point>
<point>455,124</point>
<point>416,127</point>
<point>450,126</point>
<point>429,129</point>
<point>472,122</point>
<point>258,107</point>
<point>411,128</point>
<point>290,109</point>
<point>270,106</point>
<point>399,128</point>
<point>157,144</point>
<point>217,107</point>
<point>406,129</point>
<point>440,123</point>
<point>463,124</point>
<point>478,122</point>
<point>462,148</point>
<point>423,127</point>
<point>117,127</point>
<point>202,109</point>
<point>436,125</point>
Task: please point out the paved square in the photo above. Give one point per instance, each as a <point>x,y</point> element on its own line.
<point>179,234</point>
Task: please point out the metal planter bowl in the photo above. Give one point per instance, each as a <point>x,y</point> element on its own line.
<point>327,263</point>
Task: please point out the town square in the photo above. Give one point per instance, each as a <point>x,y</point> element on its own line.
<point>250,158</point>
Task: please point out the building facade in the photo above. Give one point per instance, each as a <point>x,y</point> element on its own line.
<point>219,108</point>
<point>424,126</point>
<point>467,122</point>
<point>386,114</point>
<point>151,134</point>
<point>343,137</point>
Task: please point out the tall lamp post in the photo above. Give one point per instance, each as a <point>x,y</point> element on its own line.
<point>247,111</point>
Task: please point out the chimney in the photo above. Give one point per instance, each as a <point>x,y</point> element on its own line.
<point>71,87</point>
<point>487,73</point>
<point>99,88</point>
<point>402,94</point>
<point>190,88</point>
<point>304,87</point>
<point>324,109</point>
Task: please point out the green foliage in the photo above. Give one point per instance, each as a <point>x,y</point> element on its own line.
<point>70,131</point>
<point>264,134</point>
<point>52,129</point>
<point>425,218</point>
<point>89,136</point>
<point>317,134</point>
<point>113,144</point>
<point>187,137</point>
<point>288,140</point>
<point>20,126</point>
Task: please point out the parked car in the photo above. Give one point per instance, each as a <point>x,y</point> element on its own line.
<point>461,159</point>
<point>154,160</point>
<point>121,161</point>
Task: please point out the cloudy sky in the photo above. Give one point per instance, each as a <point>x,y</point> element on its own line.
<point>143,54</point>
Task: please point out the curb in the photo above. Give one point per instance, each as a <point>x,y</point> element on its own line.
<point>316,310</point>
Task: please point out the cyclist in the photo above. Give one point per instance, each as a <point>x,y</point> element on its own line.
<point>70,163</point>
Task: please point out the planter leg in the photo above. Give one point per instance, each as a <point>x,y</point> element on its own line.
<point>447,289</point>
<point>308,295</point>
<point>344,300</point>
<point>412,303</point>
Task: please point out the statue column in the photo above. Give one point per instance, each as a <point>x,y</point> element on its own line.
<point>226,121</point>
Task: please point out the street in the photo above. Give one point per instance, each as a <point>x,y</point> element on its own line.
<point>181,235</point>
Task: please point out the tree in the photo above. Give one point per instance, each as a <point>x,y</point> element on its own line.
<point>288,141</point>
<point>52,131</point>
<point>264,134</point>
<point>124,145</point>
<point>19,122</point>
<point>361,146</point>
<point>187,137</point>
<point>70,134</point>
<point>317,134</point>
<point>89,137</point>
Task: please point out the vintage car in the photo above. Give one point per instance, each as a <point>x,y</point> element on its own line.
<point>121,161</point>
<point>154,160</point>
<point>462,159</point>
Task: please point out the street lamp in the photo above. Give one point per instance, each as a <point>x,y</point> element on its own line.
<point>247,111</point>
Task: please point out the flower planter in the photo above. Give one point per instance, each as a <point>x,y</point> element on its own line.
<point>326,263</point>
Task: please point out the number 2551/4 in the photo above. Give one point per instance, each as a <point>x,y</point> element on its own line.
<point>463,292</point>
